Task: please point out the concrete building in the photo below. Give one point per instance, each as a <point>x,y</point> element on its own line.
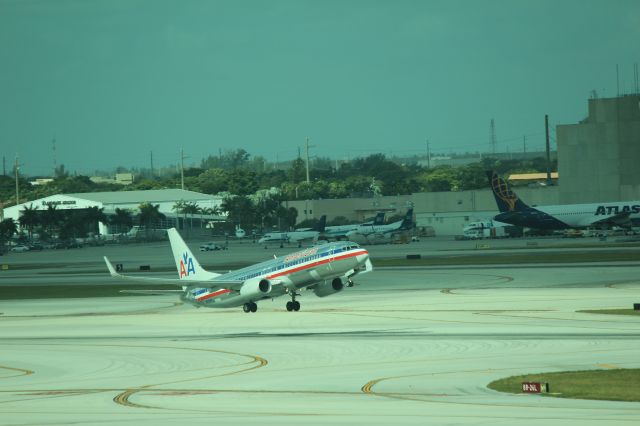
<point>128,200</point>
<point>598,158</point>
<point>446,212</point>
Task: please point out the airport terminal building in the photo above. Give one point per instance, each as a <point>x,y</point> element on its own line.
<point>166,199</point>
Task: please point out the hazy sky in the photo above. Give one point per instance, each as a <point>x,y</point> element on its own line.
<point>113,80</point>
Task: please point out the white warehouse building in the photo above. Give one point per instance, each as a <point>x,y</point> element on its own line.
<point>166,199</point>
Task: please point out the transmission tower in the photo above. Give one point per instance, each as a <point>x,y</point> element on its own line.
<point>492,136</point>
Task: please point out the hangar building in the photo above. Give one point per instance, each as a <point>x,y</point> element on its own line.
<point>129,200</point>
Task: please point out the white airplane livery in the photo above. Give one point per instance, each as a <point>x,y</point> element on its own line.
<point>378,234</point>
<point>564,216</point>
<point>324,269</point>
<point>298,236</point>
<point>339,232</point>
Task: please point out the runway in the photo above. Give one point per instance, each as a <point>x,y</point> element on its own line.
<point>405,346</point>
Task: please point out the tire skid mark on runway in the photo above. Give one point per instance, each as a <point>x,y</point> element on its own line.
<point>123,397</point>
<point>581,320</point>
<point>20,371</point>
<point>367,388</point>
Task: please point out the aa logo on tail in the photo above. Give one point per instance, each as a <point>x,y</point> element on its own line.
<point>186,266</point>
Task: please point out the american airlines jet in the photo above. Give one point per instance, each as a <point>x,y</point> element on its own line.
<point>563,216</point>
<point>324,269</point>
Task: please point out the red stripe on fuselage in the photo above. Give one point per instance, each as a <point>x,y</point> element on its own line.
<point>214,294</point>
<point>319,262</point>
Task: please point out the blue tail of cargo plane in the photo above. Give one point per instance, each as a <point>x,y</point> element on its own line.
<point>506,199</point>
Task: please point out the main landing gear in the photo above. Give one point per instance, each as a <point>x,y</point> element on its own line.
<point>293,304</point>
<point>250,307</point>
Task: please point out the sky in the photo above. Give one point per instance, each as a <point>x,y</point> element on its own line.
<point>114,80</point>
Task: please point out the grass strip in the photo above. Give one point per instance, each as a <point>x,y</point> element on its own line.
<point>612,312</point>
<point>73,291</point>
<point>512,258</point>
<point>611,385</point>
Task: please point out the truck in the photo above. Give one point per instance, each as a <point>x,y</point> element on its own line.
<point>484,229</point>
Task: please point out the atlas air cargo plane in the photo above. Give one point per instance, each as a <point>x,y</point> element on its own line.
<point>324,269</point>
<point>564,216</point>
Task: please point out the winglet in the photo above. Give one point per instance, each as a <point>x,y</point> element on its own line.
<point>112,270</point>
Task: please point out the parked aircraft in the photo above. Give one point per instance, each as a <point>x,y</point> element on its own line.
<point>339,232</point>
<point>563,216</point>
<point>298,236</point>
<point>377,234</point>
<point>324,269</point>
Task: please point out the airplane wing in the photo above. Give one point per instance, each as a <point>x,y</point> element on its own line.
<point>212,284</point>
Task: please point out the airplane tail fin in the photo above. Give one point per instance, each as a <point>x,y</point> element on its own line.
<point>506,199</point>
<point>188,266</point>
<point>407,222</point>
<point>379,219</point>
<point>321,224</point>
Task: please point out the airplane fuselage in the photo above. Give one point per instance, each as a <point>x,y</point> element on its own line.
<point>296,270</point>
<point>571,215</point>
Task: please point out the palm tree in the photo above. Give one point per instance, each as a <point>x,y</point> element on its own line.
<point>29,219</point>
<point>93,215</point>
<point>191,209</point>
<point>51,218</point>
<point>121,219</point>
<point>179,207</point>
<point>7,228</point>
<point>149,215</point>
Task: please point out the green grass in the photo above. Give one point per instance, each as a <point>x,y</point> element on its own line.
<point>511,258</point>
<point>613,312</point>
<point>72,291</point>
<point>611,385</point>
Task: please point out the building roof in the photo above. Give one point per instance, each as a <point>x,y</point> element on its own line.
<point>148,196</point>
<point>532,176</point>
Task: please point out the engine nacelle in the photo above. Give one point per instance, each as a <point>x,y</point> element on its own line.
<point>328,288</point>
<point>256,288</point>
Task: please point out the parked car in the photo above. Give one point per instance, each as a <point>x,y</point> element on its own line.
<point>36,246</point>
<point>212,247</point>
<point>19,249</point>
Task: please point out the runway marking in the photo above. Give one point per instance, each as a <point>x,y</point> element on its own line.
<point>22,371</point>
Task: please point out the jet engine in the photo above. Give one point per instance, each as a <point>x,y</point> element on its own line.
<point>328,287</point>
<point>256,288</point>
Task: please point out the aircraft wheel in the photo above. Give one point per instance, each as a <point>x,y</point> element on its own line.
<point>296,306</point>
<point>253,307</point>
<point>246,307</point>
<point>289,306</point>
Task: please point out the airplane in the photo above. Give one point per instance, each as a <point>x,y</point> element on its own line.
<point>240,233</point>
<point>377,234</point>
<point>562,216</point>
<point>324,269</point>
<point>339,232</point>
<point>298,236</point>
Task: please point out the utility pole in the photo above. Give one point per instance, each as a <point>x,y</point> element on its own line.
<point>546,131</point>
<point>17,186</point>
<point>492,129</point>
<point>55,162</point>
<point>152,174</point>
<point>428,155</point>
<point>182,157</point>
<point>4,166</point>
<point>308,146</point>
<point>524,144</point>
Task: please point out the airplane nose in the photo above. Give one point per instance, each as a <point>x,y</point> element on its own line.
<point>361,258</point>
